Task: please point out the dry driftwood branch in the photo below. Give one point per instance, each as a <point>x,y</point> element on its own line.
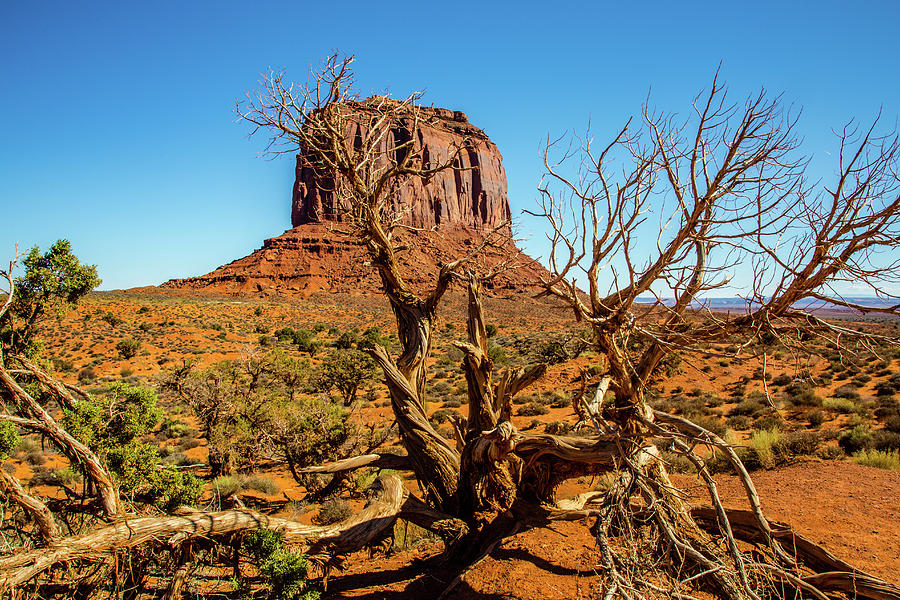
<point>37,510</point>
<point>832,573</point>
<point>378,461</point>
<point>367,526</point>
<point>75,450</point>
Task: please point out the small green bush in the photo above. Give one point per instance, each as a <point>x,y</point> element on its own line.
<point>284,571</point>
<point>856,439</point>
<point>128,348</point>
<point>9,439</point>
<point>227,485</point>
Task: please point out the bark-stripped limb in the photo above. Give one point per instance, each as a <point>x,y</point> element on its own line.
<point>434,461</point>
<point>489,404</point>
<point>37,510</point>
<point>60,390</point>
<point>74,450</point>
<point>367,526</point>
<point>832,573</point>
<point>712,439</point>
<point>376,461</point>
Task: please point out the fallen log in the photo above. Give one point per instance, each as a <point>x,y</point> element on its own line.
<point>368,525</point>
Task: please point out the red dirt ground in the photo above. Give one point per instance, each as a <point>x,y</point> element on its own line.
<point>852,510</point>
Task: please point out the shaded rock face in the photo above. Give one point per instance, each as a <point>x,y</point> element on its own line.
<point>472,197</point>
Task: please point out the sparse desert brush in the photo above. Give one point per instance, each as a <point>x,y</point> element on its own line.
<point>816,418</point>
<point>128,347</point>
<point>840,405</point>
<point>227,485</point>
<point>333,511</point>
<point>886,440</point>
<point>847,391</point>
<point>857,439</point>
<point>892,423</point>
<point>880,459</point>
<point>532,409</point>
<point>762,442</point>
<point>260,484</point>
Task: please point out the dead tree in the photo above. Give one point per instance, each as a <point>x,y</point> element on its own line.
<point>693,200</point>
<point>733,184</point>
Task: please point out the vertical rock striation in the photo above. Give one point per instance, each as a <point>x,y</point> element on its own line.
<point>474,196</point>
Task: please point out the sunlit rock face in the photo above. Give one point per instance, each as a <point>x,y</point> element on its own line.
<point>473,196</point>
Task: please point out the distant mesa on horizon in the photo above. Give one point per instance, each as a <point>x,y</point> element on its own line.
<point>452,212</point>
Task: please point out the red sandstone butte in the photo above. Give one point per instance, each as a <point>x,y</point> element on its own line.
<point>454,210</point>
<point>473,196</point>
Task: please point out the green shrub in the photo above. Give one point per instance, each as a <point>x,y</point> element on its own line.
<point>856,439</point>
<point>880,459</point>
<point>112,319</point>
<point>9,439</point>
<point>553,352</point>
<point>227,485</point>
<point>284,571</point>
<point>497,353</point>
<point>139,473</point>
<point>128,347</point>
<point>442,415</point>
<point>67,476</point>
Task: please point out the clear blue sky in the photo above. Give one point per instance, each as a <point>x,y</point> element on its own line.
<point>118,129</point>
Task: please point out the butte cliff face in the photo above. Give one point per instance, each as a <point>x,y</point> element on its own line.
<point>451,213</point>
<point>472,196</point>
